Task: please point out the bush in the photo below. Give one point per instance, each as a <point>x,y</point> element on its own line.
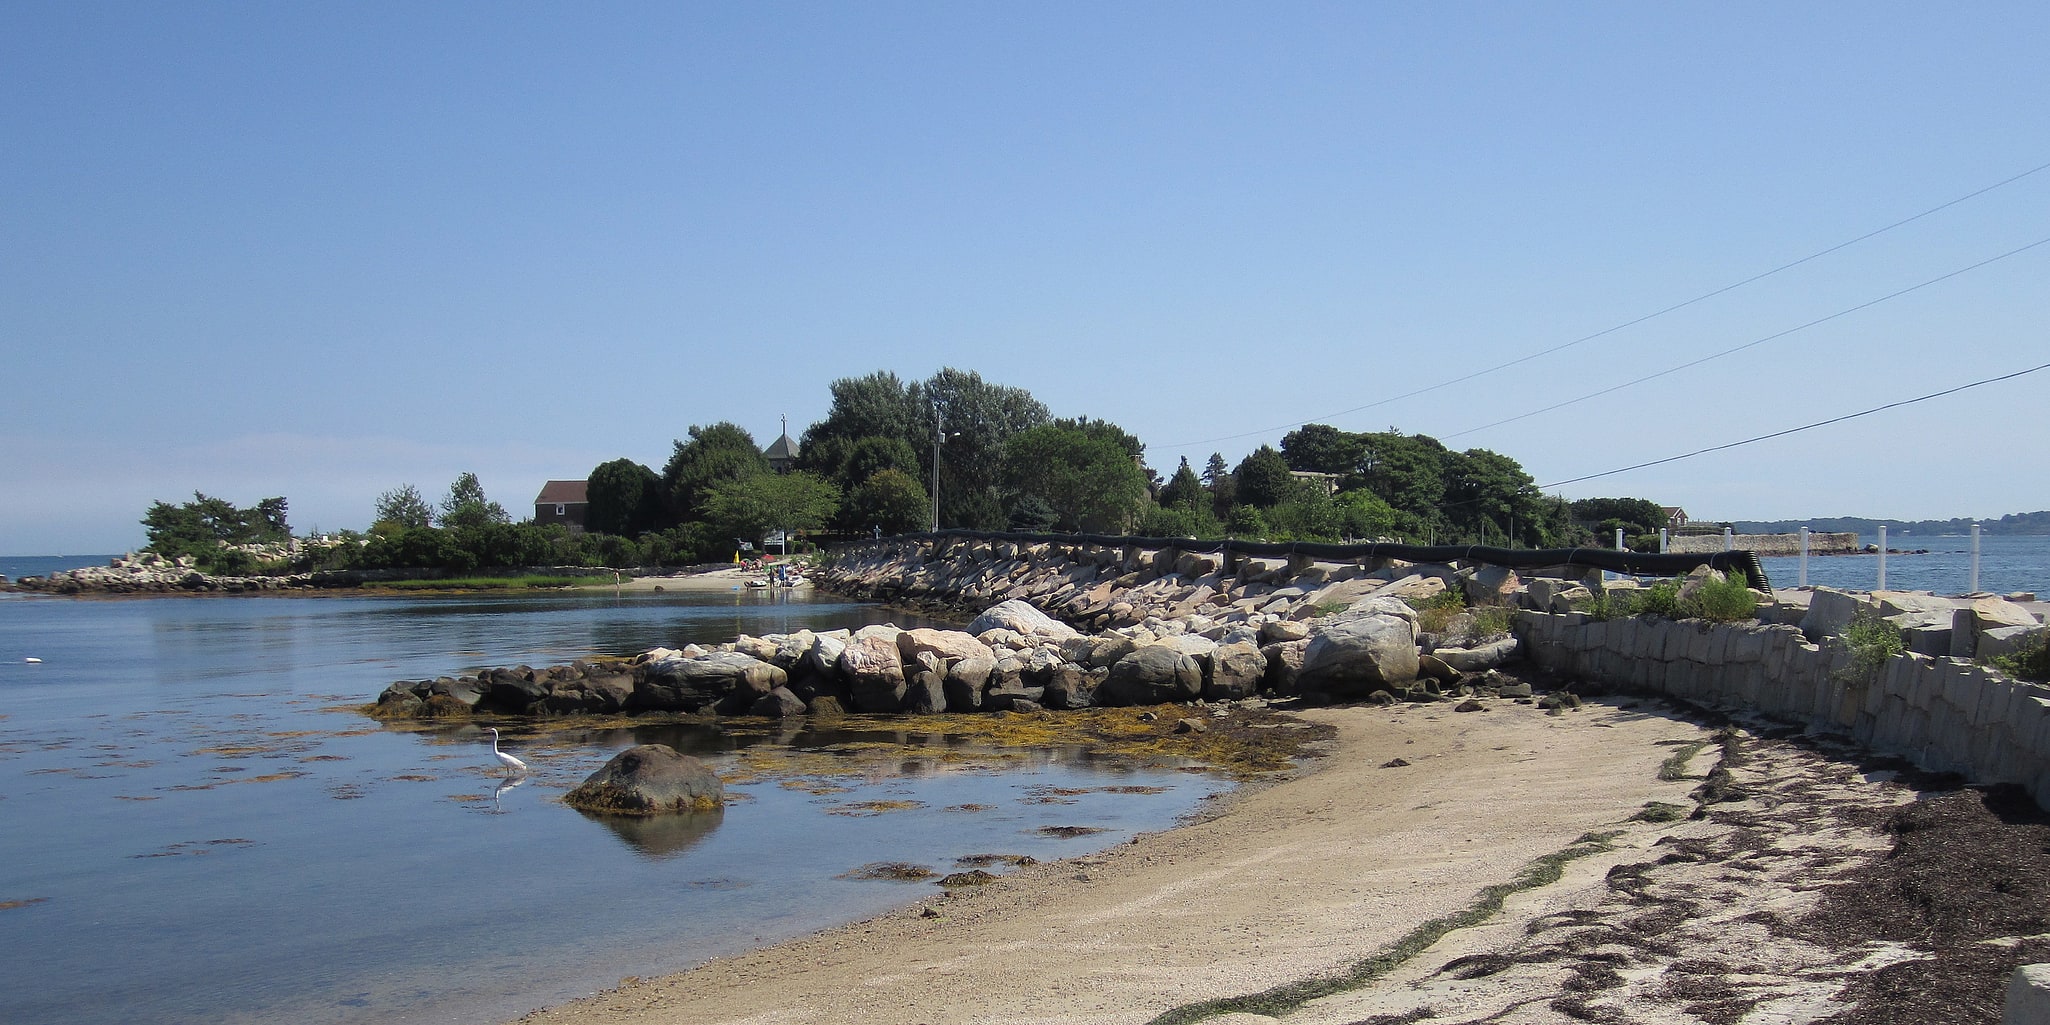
<point>1724,598</point>
<point>2030,660</point>
<point>1491,620</point>
<point>1605,605</point>
<point>1660,599</point>
<point>1871,641</point>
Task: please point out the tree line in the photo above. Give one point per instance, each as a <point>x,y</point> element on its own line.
<point>1001,461</point>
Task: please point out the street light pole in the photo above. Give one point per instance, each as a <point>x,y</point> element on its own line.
<point>939,437</point>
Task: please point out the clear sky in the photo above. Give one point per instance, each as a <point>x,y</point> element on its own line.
<point>322,250</point>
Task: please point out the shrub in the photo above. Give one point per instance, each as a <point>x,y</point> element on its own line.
<point>2030,660</point>
<point>1605,605</point>
<point>1435,613</point>
<point>1724,598</point>
<point>1871,641</point>
<point>1491,620</point>
<point>1660,599</point>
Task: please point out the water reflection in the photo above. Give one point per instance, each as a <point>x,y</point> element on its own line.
<point>659,837</point>
<point>509,783</point>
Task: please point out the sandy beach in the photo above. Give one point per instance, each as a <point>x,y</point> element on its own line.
<point>732,579</point>
<point>1289,881</point>
<point>1414,813</point>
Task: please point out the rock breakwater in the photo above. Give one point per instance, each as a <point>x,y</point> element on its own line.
<point>1129,629</point>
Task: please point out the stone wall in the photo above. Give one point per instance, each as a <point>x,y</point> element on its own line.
<point>1944,714</point>
<point>1767,544</point>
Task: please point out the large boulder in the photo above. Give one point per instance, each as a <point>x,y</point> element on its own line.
<point>1153,675</point>
<point>1830,610</point>
<point>1479,658</point>
<point>689,684</point>
<point>1020,616</point>
<point>1236,671</point>
<point>1360,656</point>
<point>950,645</point>
<point>652,779</point>
<point>874,671</point>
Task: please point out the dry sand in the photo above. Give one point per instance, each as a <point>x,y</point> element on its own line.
<point>734,579</point>
<point>1288,881</point>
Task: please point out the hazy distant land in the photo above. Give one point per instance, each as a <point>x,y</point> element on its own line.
<point>2012,523</point>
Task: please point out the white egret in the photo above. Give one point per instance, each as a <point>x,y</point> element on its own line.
<point>512,764</point>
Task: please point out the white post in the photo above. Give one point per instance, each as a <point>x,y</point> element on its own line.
<point>1662,540</point>
<point>1729,538</point>
<point>1975,560</point>
<point>1804,557</point>
<point>1619,539</point>
<point>1882,558</point>
<point>937,437</point>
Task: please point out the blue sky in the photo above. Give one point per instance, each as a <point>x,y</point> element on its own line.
<point>322,251</point>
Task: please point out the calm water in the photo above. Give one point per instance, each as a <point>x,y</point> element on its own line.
<point>2006,564</point>
<point>198,828</point>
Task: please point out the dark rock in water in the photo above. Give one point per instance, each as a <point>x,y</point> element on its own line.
<point>689,684</point>
<point>652,779</point>
<point>510,691</point>
<point>399,701</point>
<point>1068,687</point>
<point>780,703</point>
<point>925,694</point>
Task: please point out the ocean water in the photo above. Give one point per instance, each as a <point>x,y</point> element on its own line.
<point>200,827</point>
<point>14,567</point>
<point>1941,564</point>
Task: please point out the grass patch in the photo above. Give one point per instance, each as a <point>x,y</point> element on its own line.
<point>483,583</point>
<point>1288,997</point>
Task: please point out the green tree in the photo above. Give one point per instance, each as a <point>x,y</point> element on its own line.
<point>1635,515</point>
<point>753,505</point>
<point>1322,448</point>
<point>1184,490</point>
<point>1224,488</point>
<point>402,506</point>
<point>1090,479</point>
<point>205,527</point>
<point>875,406</point>
<point>1180,521</point>
<point>890,500</point>
<point>978,419</point>
<point>1487,493</point>
<point>1363,515</point>
<point>1263,478</point>
<point>871,455</point>
<point>625,499</point>
<point>1407,472</point>
<point>466,506</point>
<point>723,453</point>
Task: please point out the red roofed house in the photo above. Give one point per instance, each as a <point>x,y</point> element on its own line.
<point>564,502</point>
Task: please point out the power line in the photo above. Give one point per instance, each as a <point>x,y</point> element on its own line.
<point>1818,254</point>
<point>1804,427</point>
<point>1761,341</point>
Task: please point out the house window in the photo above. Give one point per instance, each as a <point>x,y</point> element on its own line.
<point>561,509</point>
